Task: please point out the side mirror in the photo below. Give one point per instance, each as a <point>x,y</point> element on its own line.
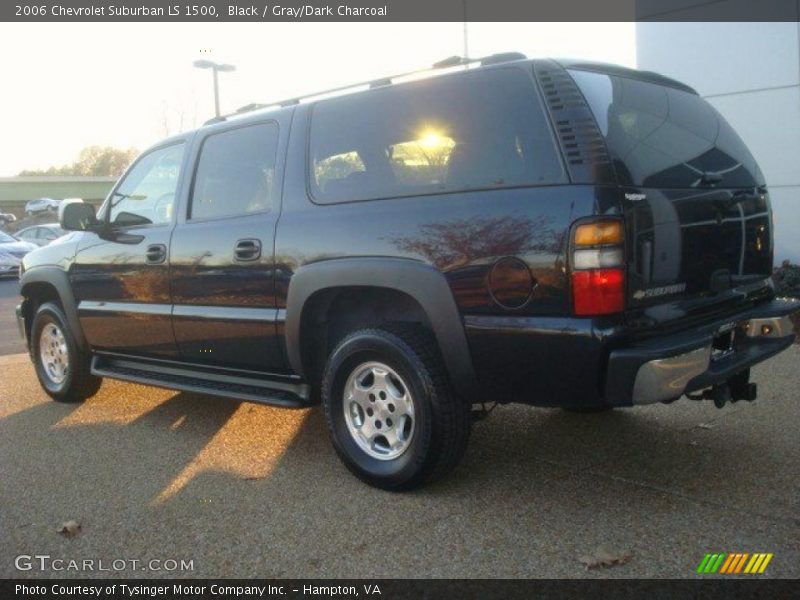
<point>77,216</point>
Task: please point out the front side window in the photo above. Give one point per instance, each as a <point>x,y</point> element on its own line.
<point>147,194</point>
<point>236,172</point>
<point>470,131</point>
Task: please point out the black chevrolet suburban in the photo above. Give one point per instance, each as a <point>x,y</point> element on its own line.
<point>555,233</point>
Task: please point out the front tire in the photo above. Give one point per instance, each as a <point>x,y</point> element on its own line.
<point>62,367</point>
<point>393,419</point>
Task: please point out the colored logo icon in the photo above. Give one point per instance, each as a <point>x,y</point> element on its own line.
<point>734,563</point>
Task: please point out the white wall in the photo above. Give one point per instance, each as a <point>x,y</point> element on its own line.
<point>751,73</point>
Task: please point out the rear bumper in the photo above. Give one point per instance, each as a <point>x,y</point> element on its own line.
<point>554,361</point>
<point>665,368</point>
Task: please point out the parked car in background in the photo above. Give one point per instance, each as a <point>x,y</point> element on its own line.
<point>40,205</point>
<point>41,235</point>
<point>11,252</point>
<point>6,218</point>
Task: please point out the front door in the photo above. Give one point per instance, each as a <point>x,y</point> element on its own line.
<point>121,278</point>
<point>221,256</point>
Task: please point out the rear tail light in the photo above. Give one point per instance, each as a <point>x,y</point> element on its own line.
<point>597,234</point>
<point>598,274</point>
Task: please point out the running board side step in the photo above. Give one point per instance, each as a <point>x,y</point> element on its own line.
<point>203,381</point>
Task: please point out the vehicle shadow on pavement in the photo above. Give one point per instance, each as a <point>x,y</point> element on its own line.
<point>613,479</point>
<point>247,490</point>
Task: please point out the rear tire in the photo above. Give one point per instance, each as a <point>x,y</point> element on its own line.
<point>392,416</point>
<point>62,367</point>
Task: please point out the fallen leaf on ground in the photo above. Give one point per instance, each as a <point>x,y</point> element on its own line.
<point>69,529</point>
<point>706,426</point>
<point>603,558</point>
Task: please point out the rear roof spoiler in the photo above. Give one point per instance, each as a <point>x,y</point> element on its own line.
<point>609,69</point>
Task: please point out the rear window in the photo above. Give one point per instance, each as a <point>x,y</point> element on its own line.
<point>472,131</point>
<point>663,137</point>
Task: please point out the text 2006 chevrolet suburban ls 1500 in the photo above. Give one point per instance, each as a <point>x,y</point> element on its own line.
<point>555,233</point>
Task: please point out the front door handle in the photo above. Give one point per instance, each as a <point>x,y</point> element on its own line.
<point>247,250</point>
<point>156,254</point>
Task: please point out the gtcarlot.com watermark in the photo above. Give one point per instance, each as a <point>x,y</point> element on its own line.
<point>46,562</point>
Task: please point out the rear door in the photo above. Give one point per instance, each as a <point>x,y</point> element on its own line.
<point>697,211</point>
<point>221,255</point>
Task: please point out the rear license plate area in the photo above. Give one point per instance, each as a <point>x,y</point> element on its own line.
<point>723,344</point>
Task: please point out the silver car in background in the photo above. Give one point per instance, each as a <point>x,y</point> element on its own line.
<point>41,235</point>
<point>33,207</point>
<point>12,251</point>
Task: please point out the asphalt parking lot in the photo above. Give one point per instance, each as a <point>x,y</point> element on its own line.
<point>10,342</point>
<point>246,490</point>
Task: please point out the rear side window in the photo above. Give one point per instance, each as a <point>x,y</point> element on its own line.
<point>663,137</point>
<point>236,172</point>
<point>471,131</point>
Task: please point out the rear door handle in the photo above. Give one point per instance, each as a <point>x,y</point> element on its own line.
<point>247,250</point>
<point>156,254</point>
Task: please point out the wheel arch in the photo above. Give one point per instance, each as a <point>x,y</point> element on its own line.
<point>50,283</point>
<point>423,284</point>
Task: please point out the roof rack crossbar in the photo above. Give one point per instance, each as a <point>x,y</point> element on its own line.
<point>447,63</point>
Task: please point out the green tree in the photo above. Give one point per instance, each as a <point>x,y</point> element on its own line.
<point>93,161</point>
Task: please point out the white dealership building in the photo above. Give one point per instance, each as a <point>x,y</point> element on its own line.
<point>751,73</point>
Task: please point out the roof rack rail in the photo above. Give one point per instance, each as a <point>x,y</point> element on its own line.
<point>449,62</point>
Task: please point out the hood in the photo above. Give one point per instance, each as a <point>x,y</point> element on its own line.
<point>59,252</point>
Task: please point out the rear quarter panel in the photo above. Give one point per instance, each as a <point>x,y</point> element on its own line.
<point>462,235</point>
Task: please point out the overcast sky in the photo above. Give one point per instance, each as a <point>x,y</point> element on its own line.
<point>67,86</point>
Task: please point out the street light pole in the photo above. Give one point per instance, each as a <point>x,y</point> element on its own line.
<point>216,91</point>
<point>466,40</point>
<point>215,69</point>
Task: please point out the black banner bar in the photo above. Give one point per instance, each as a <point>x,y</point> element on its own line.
<point>383,589</point>
<point>397,10</point>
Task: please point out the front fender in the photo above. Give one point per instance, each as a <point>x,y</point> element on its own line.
<point>58,279</point>
<point>427,286</point>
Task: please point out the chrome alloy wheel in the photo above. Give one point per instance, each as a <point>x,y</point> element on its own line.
<point>53,353</point>
<point>379,410</point>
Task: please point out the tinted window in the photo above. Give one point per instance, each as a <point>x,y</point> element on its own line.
<point>147,194</point>
<point>236,172</point>
<point>470,131</point>
<point>659,136</point>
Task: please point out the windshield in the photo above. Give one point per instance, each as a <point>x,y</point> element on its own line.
<point>663,137</point>
<point>6,239</point>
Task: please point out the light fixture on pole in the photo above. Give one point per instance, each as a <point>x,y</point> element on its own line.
<point>215,68</point>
